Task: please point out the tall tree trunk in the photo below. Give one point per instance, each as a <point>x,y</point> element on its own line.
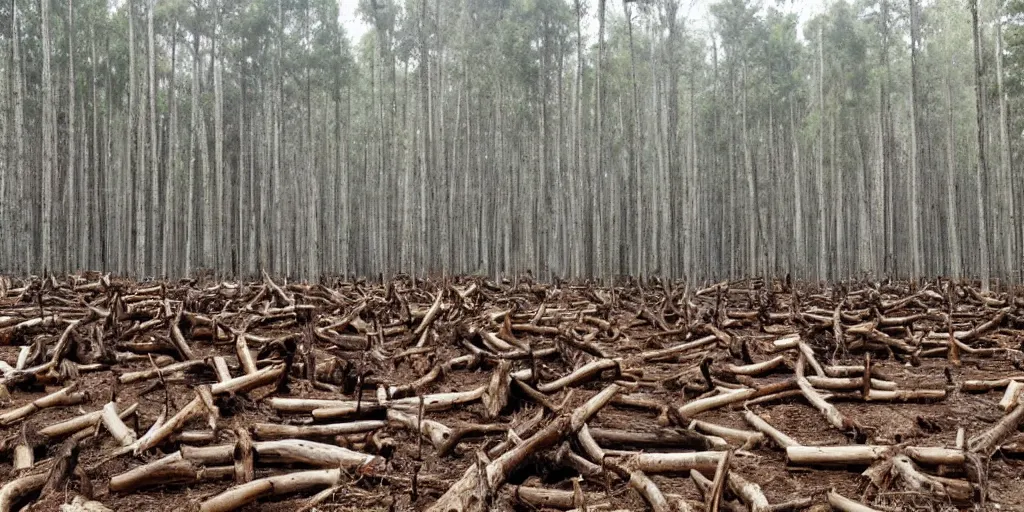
<point>982,169</point>
<point>820,175</point>
<point>219,217</point>
<point>49,122</point>
<point>154,193</point>
<point>171,184</point>
<point>1006,161</point>
<point>952,212</point>
<point>193,163</point>
<point>73,210</point>
<point>800,247</point>
<point>24,191</point>
<point>915,148</point>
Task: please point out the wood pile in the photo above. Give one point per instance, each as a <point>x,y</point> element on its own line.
<point>471,395</point>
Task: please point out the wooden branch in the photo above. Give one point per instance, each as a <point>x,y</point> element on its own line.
<point>431,403</point>
<point>749,492</point>
<point>648,490</point>
<point>73,425</point>
<point>243,456</point>
<point>745,438</point>
<point>677,462</point>
<point>278,431</point>
<point>781,440</point>
<point>832,455</point>
<point>1012,395</point>
<point>713,498</point>
<point>117,428</point>
<point>988,441</point>
<point>944,488</point>
<point>834,417</point>
<point>130,377</point>
<point>755,368</point>
<point>178,339</point>
<point>291,483</point>
<point>843,504</point>
<point>460,497</point>
<point>581,374</point>
<point>694,407</point>
<point>540,498</point>
<point>244,355</point>
<point>678,438</point>
<point>63,397</point>
<point>428,319</point>
<point>14,490</point>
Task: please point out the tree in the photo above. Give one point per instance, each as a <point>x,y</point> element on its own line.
<point>982,168</point>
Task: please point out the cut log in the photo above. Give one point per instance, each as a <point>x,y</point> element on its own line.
<point>843,504</point>
<point>117,428</point>
<point>836,455</point>
<point>581,374</point>
<point>287,451</point>
<point>63,397</point>
<point>291,483</point>
<point>152,373</point>
<point>675,462</point>
<point>834,417</point>
<point>1012,395</point>
<point>277,431</point>
<point>781,440</point>
<point>987,442</point>
<point>749,492</point>
<point>661,439</point>
<point>745,438</point>
<point>940,487</point>
<point>713,498</point>
<point>462,496</point>
<point>14,490</point>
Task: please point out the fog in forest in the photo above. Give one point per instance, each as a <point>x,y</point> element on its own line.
<point>568,138</point>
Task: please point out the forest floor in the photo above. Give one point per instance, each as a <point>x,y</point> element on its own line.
<point>358,396</point>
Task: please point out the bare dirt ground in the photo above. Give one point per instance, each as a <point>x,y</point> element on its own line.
<point>399,396</point>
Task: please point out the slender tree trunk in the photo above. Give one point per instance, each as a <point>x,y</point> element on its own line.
<point>915,149</point>
<point>171,184</point>
<point>219,217</point>
<point>982,169</point>
<point>797,262</point>
<point>72,210</point>
<point>1012,264</point>
<point>154,193</point>
<point>953,213</point>
<point>49,122</point>
<point>820,176</point>
<point>193,165</point>
<point>24,191</point>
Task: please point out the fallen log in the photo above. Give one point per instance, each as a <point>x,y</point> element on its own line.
<point>677,438</point>
<point>941,487</point>
<point>780,439</point>
<point>277,431</point>
<point>63,397</point>
<point>988,441</point>
<point>833,455</point>
<point>14,490</point>
<point>843,504</point>
<point>462,496</point>
<point>291,483</point>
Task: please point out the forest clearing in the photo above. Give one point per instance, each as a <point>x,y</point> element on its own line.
<point>744,395</point>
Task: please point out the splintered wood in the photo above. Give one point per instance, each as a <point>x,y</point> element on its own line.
<point>472,395</point>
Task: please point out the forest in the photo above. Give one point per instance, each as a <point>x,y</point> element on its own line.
<point>568,138</point>
<point>511,255</point>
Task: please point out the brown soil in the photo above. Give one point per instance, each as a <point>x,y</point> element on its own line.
<point>623,323</point>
